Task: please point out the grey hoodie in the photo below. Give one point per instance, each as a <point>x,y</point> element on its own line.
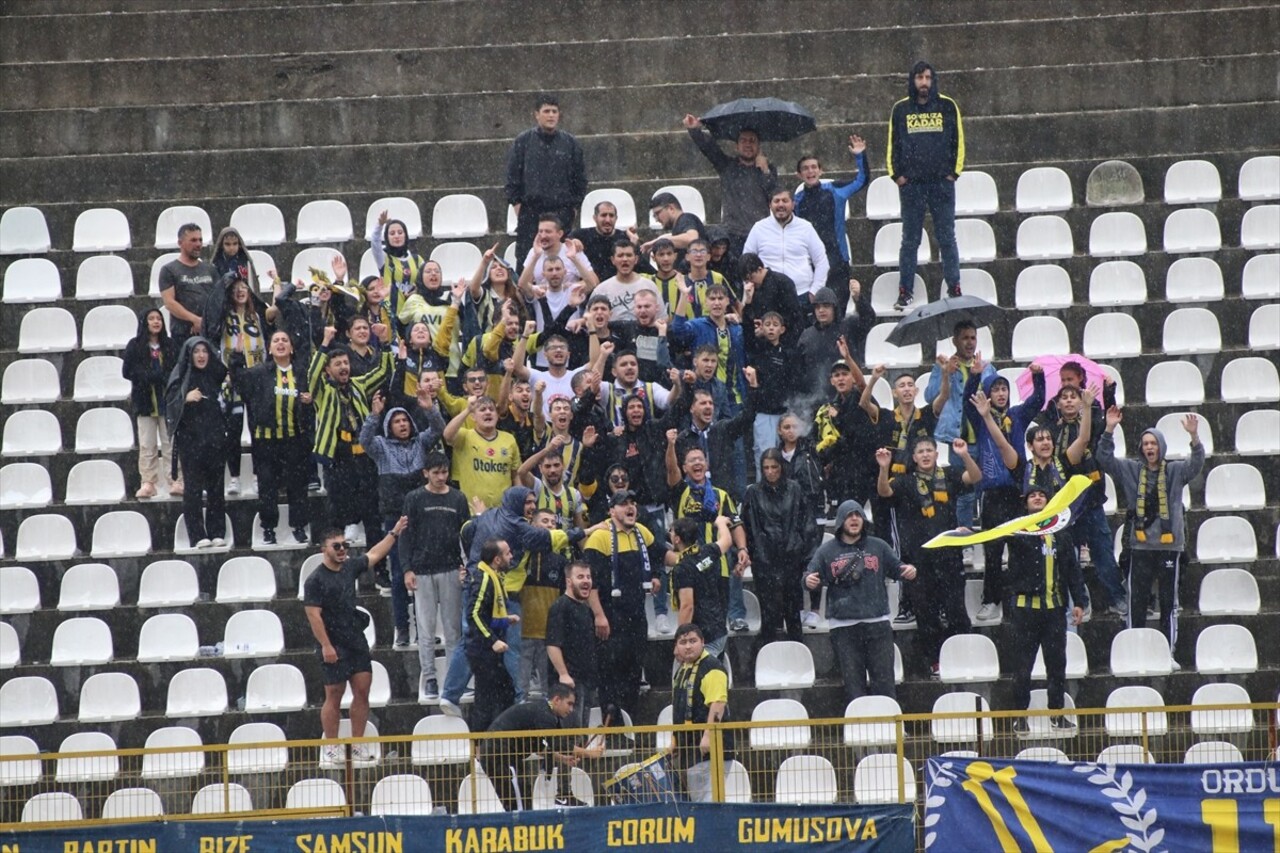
<point>399,462</point>
<point>1177,474</point>
<point>854,573</point>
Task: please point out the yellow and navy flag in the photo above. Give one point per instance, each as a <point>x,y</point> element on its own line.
<point>1055,516</point>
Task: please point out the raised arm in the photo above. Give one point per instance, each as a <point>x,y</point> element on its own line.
<point>1076,450</point>
<point>526,469</point>
<point>982,406</point>
<point>455,423</point>
<point>972,473</point>
<point>673,467</point>
<point>884,457</point>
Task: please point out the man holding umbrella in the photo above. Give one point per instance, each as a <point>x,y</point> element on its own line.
<point>746,181</point>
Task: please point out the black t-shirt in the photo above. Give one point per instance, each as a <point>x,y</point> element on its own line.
<point>191,288</point>
<point>687,222</point>
<point>699,571</point>
<point>914,496</point>
<point>430,544</point>
<point>526,717</point>
<point>571,627</point>
<point>335,594</point>
<point>599,249</point>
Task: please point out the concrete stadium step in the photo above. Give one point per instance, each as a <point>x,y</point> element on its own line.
<point>476,166</point>
<point>381,71</point>
<point>862,100</point>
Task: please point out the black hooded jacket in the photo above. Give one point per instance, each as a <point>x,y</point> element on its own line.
<point>199,424</point>
<point>926,141</point>
<point>778,522</point>
<point>148,370</point>
<point>214,316</point>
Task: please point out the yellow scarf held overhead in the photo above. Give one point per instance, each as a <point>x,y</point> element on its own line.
<point>1033,524</point>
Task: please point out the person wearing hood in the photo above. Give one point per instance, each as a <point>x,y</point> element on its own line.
<point>148,359</point>
<point>853,566</point>
<point>279,408</point>
<point>780,533</point>
<point>230,256</point>
<point>393,255</point>
<point>925,157</point>
<point>1043,572</point>
<point>723,259</point>
<point>987,411</point>
<point>1157,533</point>
<point>399,453</point>
<point>193,414</point>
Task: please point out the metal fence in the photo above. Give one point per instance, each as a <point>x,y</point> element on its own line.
<point>862,759</point>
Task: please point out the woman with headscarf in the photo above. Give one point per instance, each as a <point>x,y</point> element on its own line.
<point>401,267</point>
<point>779,525</point>
<point>148,358</point>
<point>235,320</point>
<point>194,417</point>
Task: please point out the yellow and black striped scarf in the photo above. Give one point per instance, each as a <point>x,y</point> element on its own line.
<point>1162,499</point>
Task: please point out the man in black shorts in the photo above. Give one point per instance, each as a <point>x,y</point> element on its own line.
<point>329,596</point>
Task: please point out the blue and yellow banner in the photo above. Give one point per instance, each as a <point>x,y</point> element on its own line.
<point>986,805</point>
<point>654,828</point>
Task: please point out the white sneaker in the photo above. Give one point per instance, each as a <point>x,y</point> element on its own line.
<point>219,542</point>
<point>988,612</point>
<point>233,486</point>
<point>449,708</point>
<point>364,753</point>
<point>205,543</point>
<point>662,624</point>
<point>332,754</point>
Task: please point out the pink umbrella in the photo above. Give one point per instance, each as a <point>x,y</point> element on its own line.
<point>1052,364</point>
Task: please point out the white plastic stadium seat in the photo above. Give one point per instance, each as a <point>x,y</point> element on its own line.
<point>779,737</point>
<point>968,658</point>
<point>1226,650</point>
<point>406,210</point>
<point>1194,280</point>
<point>32,280</point>
<point>30,380</point>
<point>1125,753</point>
<point>1043,287</point>
<point>49,330</point>
<point>883,201</point>
<point>19,772</point>
<point>264,265</point>
<point>401,794</point>
<point>1237,486</point>
<point>168,583</point>
<point>82,641</point>
<point>89,586</point>
<point>275,688</point>
<point>622,202</point>
<point>960,729</point>
<point>25,485</point>
<point>320,257</point>
<point>221,799</point>
<point>483,799</point>
<point>323,221</point>
<point>46,537</point>
<point>877,777</point>
<point>259,224</point>
<point>253,633</point>
<point>132,804</point>
<point>1192,182</point>
<point>1258,433</point>
<point>691,201</point>
<point>976,194</point>
<point>1213,752</point>
<point>445,750</point>
<point>879,351</point>
<point>1178,443</point>
<point>784,665</point>
<point>1264,328</point>
<point>1108,336</point>
<point>1260,227</point>
<point>1038,725</point>
<point>808,779</point>
<point>100,768</point>
<point>1050,754</point>
<point>1260,278</point>
<point>121,534</point>
<point>512,223</point>
<point>1260,178</point>
<point>23,231</point>
<point>1174,383</point>
<point>459,216</point>
<point>1044,238</point>
<point>1043,189</point>
<point>456,260</point>
<point>109,327</point>
<point>168,637</point>
<point>1229,592</point>
<point>100,379</point>
<point>1117,234</point>
<point>182,543</point>
<point>884,293</point>
<point>109,697</point>
<point>315,794</point>
<point>1037,336</point>
<point>197,692</point>
<point>1226,539</point>
<point>871,734</point>
<point>19,590</point>
<point>1193,229</point>
<point>10,656</point>
<point>979,283</point>
<point>262,759</point>
<point>245,579</point>
<point>173,218</point>
<point>975,241</point>
<point>889,241</point>
<point>379,689</point>
<point>101,229</point>
<point>1117,283</point>
<point>1150,723</point>
<point>1224,721</point>
<point>54,807</point>
<point>1140,652</point>
<point>28,700</point>
<point>153,281</point>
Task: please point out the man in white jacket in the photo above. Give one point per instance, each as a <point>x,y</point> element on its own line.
<point>790,245</point>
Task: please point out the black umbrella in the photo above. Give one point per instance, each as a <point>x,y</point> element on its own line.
<point>773,119</point>
<point>935,321</point>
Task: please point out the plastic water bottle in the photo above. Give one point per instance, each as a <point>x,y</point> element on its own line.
<point>207,651</point>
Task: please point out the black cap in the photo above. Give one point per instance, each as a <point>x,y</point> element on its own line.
<point>622,497</point>
<point>824,296</point>
<point>840,364</point>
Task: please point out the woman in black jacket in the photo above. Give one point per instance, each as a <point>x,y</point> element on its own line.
<point>148,358</point>
<point>194,416</point>
<point>780,536</point>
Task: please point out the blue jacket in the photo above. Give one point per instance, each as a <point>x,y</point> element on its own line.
<point>949,419</point>
<point>1016,419</point>
<point>825,207</point>
<point>702,330</point>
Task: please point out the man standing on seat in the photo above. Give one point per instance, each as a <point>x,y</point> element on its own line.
<point>546,173</point>
<point>329,597</point>
<point>926,156</point>
<point>185,283</point>
<point>746,181</point>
